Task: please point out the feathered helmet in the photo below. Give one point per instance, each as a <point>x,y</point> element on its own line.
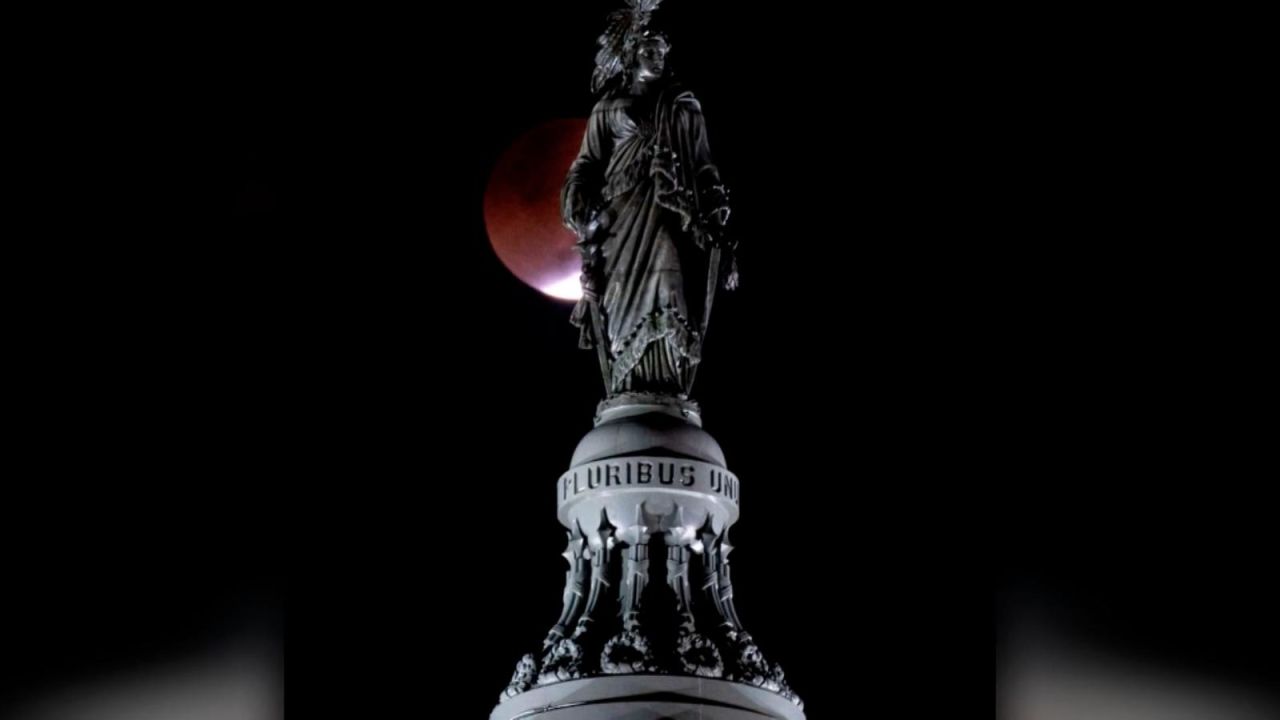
<point>624,33</point>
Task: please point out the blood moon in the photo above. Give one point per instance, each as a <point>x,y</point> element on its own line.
<point>522,208</point>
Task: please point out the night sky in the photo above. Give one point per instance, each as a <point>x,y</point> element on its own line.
<point>287,390</point>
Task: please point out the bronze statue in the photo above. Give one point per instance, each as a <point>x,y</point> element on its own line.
<point>649,210</point>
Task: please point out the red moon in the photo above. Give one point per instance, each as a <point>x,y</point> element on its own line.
<point>522,208</point>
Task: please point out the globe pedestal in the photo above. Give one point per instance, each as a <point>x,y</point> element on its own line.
<point>648,627</point>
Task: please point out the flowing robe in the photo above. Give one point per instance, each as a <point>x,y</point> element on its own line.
<point>644,173</point>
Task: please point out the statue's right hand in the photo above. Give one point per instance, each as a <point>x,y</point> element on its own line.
<point>603,219</point>
<point>591,254</point>
<point>599,221</point>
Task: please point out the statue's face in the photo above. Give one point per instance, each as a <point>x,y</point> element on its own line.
<point>651,58</point>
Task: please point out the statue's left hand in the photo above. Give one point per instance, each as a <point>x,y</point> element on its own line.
<point>731,280</point>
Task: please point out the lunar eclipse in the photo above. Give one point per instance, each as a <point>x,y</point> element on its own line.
<point>522,208</point>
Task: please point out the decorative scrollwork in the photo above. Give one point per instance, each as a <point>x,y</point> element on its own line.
<point>698,655</point>
<point>564,661</point>
<point>678,631</point>
<point>629,652</point>
<point>525,676</point>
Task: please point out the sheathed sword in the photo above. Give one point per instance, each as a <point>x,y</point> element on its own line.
<point>593,306</point>
<point>713,279</point>
<point>602,352</point>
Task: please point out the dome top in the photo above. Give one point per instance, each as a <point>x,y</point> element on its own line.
<point>648,433</point>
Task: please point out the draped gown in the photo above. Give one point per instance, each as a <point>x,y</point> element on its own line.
<point>645,170</point>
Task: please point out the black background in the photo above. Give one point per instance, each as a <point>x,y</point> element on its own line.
<point>282,381</point>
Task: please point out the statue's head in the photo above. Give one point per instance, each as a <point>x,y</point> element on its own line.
<point>649,60</point>
<point>629,50</point>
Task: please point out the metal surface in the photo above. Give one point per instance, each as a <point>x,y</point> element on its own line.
<point>647,489</point>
